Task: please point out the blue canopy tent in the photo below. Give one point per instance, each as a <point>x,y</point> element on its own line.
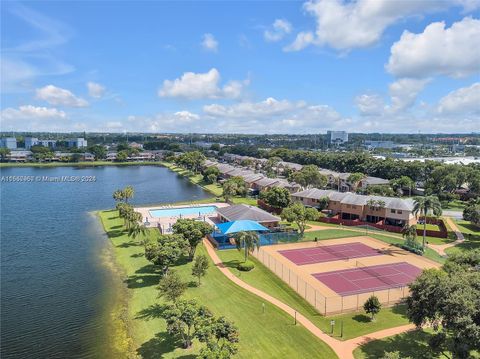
<point>225,230</point>
<point>240,226</point>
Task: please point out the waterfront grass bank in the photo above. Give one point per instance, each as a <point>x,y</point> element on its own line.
<point>77,164</point>
<point>269,334</point>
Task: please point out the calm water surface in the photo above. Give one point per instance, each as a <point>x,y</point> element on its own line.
<point>54,290</point>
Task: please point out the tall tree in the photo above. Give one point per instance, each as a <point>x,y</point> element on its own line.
<point>200,266</point>
<point>166,250</point>
<point>276,197</point>
<point>136,229</point>
<point>354,179</point>
<point>448,302</point>
<point>128,193</point>
<point>193,231</point>
<point>234,186</point>
<point>118,195</point>
<point>372,306</point>
<point>248,241</point>
<point>4,152</point>
<point>171,286</point>
<point>184,319</point>
<point>309,177</point>
<point>299,214</point>
<point>423,205</point>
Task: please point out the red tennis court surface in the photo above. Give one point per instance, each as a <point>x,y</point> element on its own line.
<point>368,279</point>
<point>330,253</point>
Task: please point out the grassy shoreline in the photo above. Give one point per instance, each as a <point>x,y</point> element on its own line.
<point>272,336</point>
<point>78,164</point>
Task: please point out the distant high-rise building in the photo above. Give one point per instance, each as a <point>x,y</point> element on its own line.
<point>79,142</point>
<point>337,137</point>
<point>30,141</point>
<point>33,141</point>
<point>8,142</point>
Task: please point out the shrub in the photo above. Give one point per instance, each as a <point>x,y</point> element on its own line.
<point>245,266</point>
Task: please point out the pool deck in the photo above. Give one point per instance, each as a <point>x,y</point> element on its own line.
<point>166,222</point>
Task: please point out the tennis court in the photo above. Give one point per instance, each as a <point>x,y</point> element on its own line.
<point>339,275</point>
<point>328,253</point>
<point>364,279</point>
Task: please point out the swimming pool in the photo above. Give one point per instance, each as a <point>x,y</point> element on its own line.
<point>184,211</point>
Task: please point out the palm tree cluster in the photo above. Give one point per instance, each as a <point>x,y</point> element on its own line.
<point>131,219</point>
<point>123,195</point>
<point>423,206</point>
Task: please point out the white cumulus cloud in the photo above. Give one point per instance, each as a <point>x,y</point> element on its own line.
<point>345,25</point>
<point>209,43</point>
<point>461,101</point>
<point>60,97</point>
<point>32,112</point>
<point>438,50</point>
<point>369,104</point>
<point>278,30</point>
<point>201,86</point>
<point>95,90</point>
<point>404,92</point>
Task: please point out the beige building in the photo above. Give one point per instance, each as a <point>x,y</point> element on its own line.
<point>349,206</point>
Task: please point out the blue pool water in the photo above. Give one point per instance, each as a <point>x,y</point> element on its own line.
<point>185,211</point>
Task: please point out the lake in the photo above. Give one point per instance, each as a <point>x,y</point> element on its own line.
<point>55,290</point>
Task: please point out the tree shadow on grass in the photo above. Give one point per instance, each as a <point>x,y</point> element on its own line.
<point>152,312</point>
<point>232,263</point>
<point>162,343</point>
<point>137,255</point>
<point>115,233</point>
<point>400,309</point>
<point>362,318</point>
<point>129,244</point>
<point>141,281</point>
<point>149,268</point>
<point>412,344</point>
<point>117,226</point>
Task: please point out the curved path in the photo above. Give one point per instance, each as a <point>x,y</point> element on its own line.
<point>440,248</point>
<point>344,349</point>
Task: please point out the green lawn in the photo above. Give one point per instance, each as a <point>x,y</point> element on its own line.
<point>245,200</point>
<point>213,188</point>
<point>472,237</point>
<point>413,344</point>
<point>269,335</point>
<point>330,234</point>
<point>429,253</point>
<point>456,204</point>
<point>355,324</point>
<point>467,227</point>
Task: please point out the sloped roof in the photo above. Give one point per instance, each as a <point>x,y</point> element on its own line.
<point>313,193</point>
<point>265,181</point>
<point>375,181</point>
<point>245,212</point>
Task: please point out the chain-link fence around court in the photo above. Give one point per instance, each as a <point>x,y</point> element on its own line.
<point>326,305</point>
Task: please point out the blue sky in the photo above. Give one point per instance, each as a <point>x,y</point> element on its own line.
<point>250,67</point>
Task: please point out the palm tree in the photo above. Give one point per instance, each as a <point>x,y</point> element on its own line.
<point>137,229</point>
<point>248,240</point>
<point>354,179</point>
<point>424,205</point>
<point>128,192</point>
<point>132,218</point>
<point>118,195</point>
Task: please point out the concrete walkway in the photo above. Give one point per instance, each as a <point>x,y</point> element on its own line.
<point>440,248</point>
<point>343,349</point>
